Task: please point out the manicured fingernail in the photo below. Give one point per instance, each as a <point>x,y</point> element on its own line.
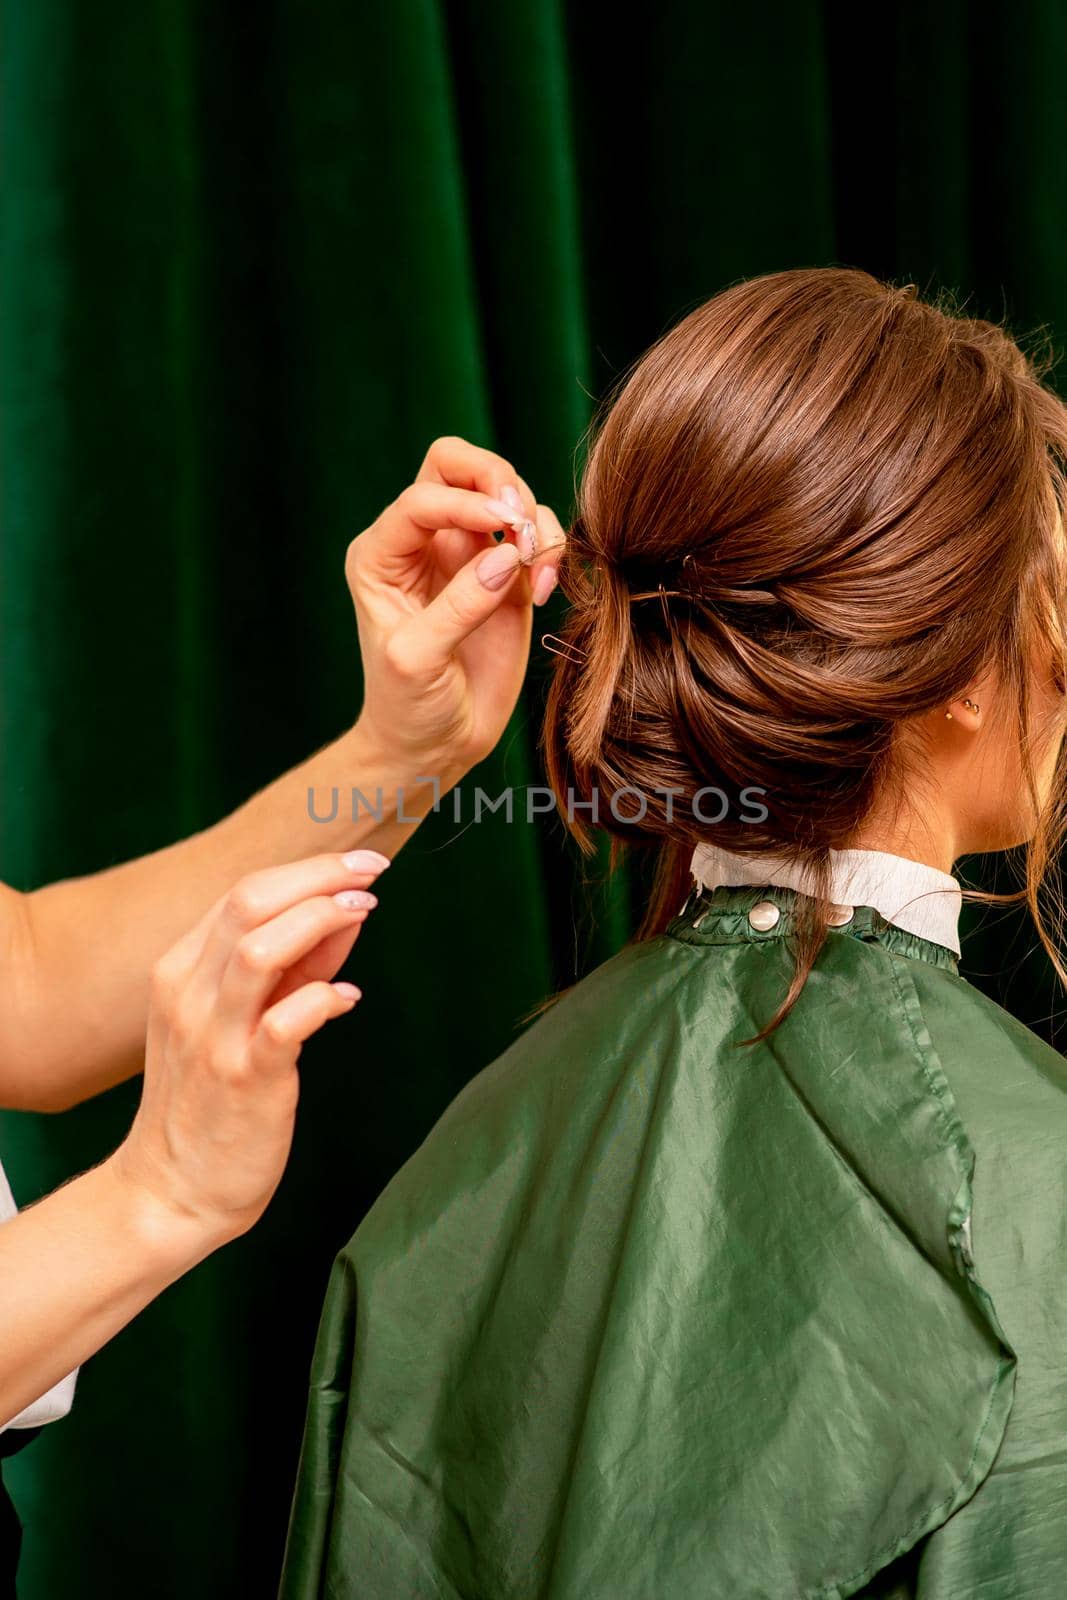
<point>526,541</point>
<point>356,900</point>
<point>506,513</point>
<point>364,861</point>
<point>511,496</point>
<point>498,566</point>
<point>348,991</point>
<point>544,584</point>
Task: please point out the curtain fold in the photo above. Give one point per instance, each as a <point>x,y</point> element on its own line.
<point>253,259</point>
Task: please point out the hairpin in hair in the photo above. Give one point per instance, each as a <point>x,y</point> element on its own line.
<point>569,652</point>
<point>662,594</point>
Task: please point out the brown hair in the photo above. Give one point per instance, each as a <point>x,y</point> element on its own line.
<point>816,507</point>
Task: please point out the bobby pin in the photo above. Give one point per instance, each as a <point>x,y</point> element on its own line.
<point>569,652</point>
<point>662,593</point>
<point>538,550</point>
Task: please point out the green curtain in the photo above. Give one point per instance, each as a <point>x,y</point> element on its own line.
<point>253,259</point>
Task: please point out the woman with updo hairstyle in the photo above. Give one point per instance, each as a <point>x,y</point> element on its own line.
<point>742,1274</point>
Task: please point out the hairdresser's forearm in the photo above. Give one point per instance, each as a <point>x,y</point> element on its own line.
<point>76,995</point>
<point>75,1268</point>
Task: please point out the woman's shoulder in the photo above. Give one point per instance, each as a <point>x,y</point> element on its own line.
<point>605,1039</point>
<point>632,1246</point>
<point>622,1011</point>
<point>978,1039</point>
<point>644,1066</point>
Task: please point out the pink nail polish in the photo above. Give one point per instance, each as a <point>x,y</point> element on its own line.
<point>364,861</point>
<point>498,566</point>
<point>506,513</point>
<point>526,541</point>
<point>544,584</point>
<point>356,900</point>
<point>348,991</point>
<point>511,496</point>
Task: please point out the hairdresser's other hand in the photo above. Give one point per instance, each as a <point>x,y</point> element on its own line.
<point>232,1004</point>
<point>444,611</point>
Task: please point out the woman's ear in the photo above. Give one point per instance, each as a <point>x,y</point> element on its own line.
<point>967,712</point>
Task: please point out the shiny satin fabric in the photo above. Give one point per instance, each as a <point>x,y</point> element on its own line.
<point>651,1315</point>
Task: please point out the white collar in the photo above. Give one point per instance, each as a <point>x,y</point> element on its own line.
<point>921,899</point>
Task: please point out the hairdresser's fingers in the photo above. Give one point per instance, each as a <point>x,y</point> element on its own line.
<point>325,961</point>
<point>491,578</point>
<point>424,644</point>
<point>407,526</point>
<point>261,957</point>
<point>290,1023</point>
<point>454,547</point>
<point>470,466</point>
<point>260,896</point>
<point>551,542</point>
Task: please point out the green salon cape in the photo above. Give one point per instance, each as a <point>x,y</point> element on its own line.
<point>652,1317</point>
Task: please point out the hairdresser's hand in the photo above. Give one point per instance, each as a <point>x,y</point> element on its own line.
<point>444,612</point>
<point>232,1004</point>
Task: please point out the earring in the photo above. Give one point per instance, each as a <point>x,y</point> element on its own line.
<point>975,707</point>
<point>948,716</point>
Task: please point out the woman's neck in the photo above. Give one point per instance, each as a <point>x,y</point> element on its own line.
<point>932,839</point>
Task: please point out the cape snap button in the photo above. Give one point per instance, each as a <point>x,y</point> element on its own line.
<point>840,916</point>
<point>764,916</point>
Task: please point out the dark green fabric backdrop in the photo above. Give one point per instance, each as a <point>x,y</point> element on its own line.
<point>253,258</point>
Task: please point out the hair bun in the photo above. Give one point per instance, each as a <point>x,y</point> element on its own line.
<point>815,509</point>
